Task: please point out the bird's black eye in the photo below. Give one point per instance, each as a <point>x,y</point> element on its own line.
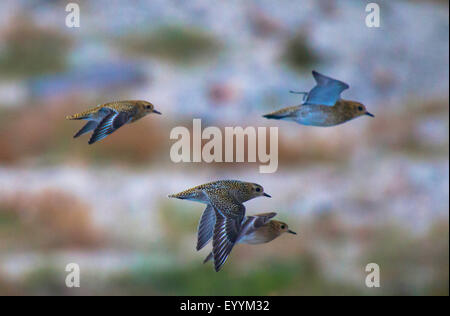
<point>147,107</point>
<point>283,227</point>
<point>258,189</point>
<point>360,108</point>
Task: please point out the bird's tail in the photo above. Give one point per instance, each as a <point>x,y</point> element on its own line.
<point>177,196</point>
<point>83,115</point>
<point>274,116</point>
<point>184,195</point>
<point>208,258</point>
<point>283,113</point>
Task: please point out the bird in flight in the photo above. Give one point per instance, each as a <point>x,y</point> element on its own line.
<point>224,200</point>
<point>322,106</point>
<point>105,119</point>
<point>255,229</point>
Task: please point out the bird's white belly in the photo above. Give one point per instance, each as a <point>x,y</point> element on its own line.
<point>252,239</point>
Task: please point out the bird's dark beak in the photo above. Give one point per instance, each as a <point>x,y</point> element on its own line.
<point>292,232</point>
<point>265,194</point>
<point>157,112</point>
<point>370,114</point>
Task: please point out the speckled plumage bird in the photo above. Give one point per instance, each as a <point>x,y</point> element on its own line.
<point>224,200</point>
<point>322,106</point>
<point>106,118</point>
<point>256,229</point>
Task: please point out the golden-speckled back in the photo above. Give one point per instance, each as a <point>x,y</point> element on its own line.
<point>135,106</point>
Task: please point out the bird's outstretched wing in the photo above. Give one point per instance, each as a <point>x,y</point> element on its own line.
<point>110,123</point>
<point>253,222</point>
<point>206,227</point>
<point>229,215</point>
<point>326,92</point>
<point>262,219</point>
<point>86,128</point>
<point>208,257</point>
<point>226,233</point>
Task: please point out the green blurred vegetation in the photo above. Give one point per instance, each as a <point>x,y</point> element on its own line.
<point>180,44</point>
<point>31,50</point>
<point>175,219</point>
<point>407,268</point>
<point>411,265</point>
<point>298,55</point>
<point>266,278</point>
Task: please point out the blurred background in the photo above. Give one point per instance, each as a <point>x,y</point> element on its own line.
<point>372,190</point>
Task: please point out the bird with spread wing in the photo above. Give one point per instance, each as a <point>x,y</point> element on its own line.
<point>322,106</point>
<point>224,219</point>
<point>104,119</point>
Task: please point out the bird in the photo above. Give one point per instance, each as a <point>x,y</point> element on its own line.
<point>255,229</point>
<point>223,199</point>
<point>106,118</point>
<point>322,106</point>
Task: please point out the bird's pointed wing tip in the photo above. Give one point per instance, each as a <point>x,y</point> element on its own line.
<point>268,214</point>
<point>110,123</point>
<point>226,232</point>
<point>205,227</point>
<point>322,79</point>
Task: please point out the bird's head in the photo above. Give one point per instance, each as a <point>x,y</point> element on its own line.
<point>147,107</point>
<point>359,109</point>
<point>254,190</point>
<point>281,227</point>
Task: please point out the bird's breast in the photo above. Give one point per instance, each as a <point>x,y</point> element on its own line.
<point>321,115</point>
